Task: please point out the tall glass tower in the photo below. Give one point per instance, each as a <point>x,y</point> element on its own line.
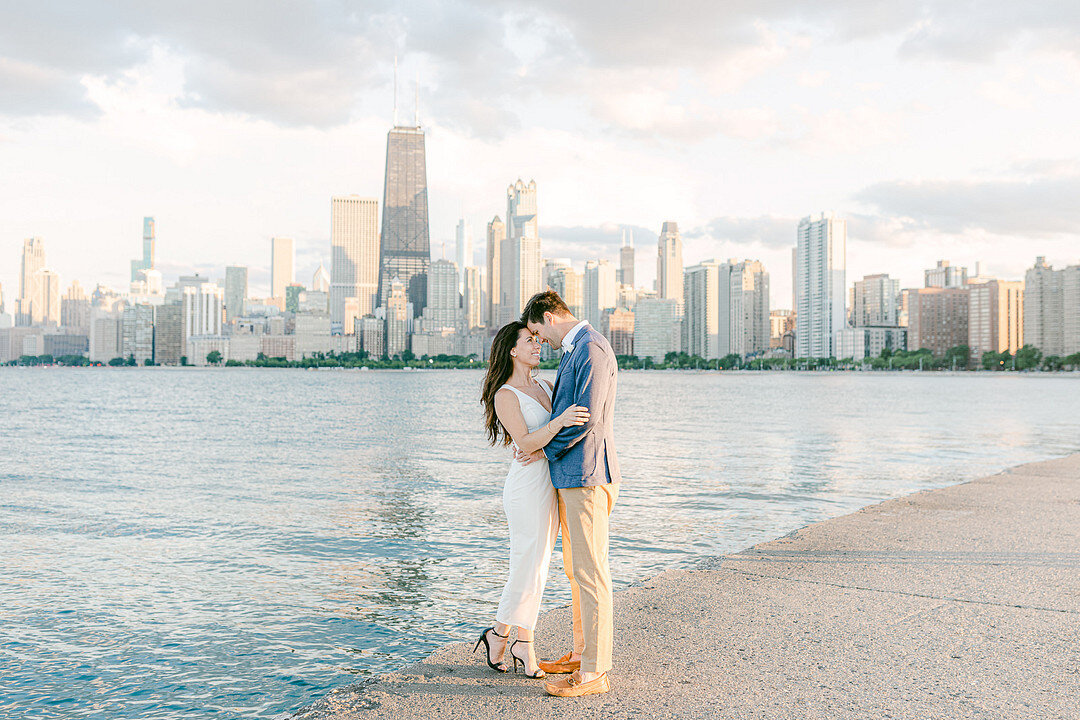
<point>405,243</point>
<point>148,241</point>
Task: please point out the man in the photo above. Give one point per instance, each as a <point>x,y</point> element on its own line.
<point>585,472</point>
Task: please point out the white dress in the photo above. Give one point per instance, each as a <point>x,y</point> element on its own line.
<point>532,511</point>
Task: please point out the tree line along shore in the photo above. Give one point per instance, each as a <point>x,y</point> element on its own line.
<point>1026,359</point>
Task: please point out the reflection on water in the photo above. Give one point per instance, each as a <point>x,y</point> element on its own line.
<point>234,543</point>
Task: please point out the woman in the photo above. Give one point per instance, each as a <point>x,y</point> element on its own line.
<point>518,408</point>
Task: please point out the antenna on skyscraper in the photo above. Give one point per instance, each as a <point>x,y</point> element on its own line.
<point>395,91</point>
<point>416,116</point>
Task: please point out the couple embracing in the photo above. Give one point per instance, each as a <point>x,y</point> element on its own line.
<point>564,476</point>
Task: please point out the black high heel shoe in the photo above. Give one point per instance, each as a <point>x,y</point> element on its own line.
<point>500,667</point>
<point>524,662</point>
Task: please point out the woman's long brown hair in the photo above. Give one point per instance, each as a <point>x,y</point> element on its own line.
<point>500,367</point>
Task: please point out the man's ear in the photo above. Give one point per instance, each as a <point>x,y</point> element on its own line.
<point>548,317</point>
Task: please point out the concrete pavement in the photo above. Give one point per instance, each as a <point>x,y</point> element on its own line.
<point>962,602</point>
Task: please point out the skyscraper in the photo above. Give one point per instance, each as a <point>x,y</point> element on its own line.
<point>569,283</point>
<point>946,275</point>
<point>396,335</point>
<point>444,301</point>
<point>626,260</point>
<point>405,250</point>
<point>1052,308</point>
<point>820,284</point>
<point>236,291</point>
<point>282,258</point>
<point>463,237</point>
<point>75,309</point>
<point>149,236</point>
<point>45,304</point>
<point>702,306</point>
<point>33,260</point>
<point>354,247</point>
<point>747,308</point>
<point>521,263</point>
<point>669,264</point>
<point>876,302</point>
<point>320,279</point>
<point>470,298</point>
<point>995,316</point>
<point>496,231</point>
<point>599,290</point>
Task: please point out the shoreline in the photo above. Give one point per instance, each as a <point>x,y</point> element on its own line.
<point>947,601</point>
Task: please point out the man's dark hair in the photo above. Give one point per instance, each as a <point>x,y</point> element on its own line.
<point>540,303</point>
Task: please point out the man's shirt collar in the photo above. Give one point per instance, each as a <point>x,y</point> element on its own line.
<point>568,339</point>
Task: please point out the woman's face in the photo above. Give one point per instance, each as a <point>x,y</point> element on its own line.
<point>527,350</point>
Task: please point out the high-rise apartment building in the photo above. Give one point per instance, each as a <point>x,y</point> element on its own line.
<point>470,299</point>
<point>946,275</point>
<point>75,309</point>
<point>876,302</point>
<point>137,333</point>
<point>105,335</point>
<point>1052,308</point>
<point>168,334</point>
<point>657,327</point>
<point>820,284</point>
<point>282,261</point>
<point>995,317</point>
<point>33,260</point>
<point>747,296</point>
<point>599,289</point>
<point>618,328</point>
<point>202,306</point>
<point>236,291</point>
<point>45,303</point>
<point>146,262</point>
<point>444,301</point>
<point>496,233</point>
<point>520,255</point>
<point>463,249</point>
<point>570,284</point>
<point>354,247</point>
<point>669,264</point>
<point>405,242</point>
<point>396,334</point>
<point>701,310</point>
<point>938,319</point>
<point>625,274</point>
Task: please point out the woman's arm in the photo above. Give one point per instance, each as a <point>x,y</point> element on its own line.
<point>508,410</point>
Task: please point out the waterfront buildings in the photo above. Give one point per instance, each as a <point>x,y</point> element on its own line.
<point>657,327</point>
<point>168,334</point>
<point>405,243</point>
<point>569,283</point>
<point>625,273</point>
<point>202,304</point>
<point>820,290</point>
<point>946,275</point>
<point>354,254</point>
<point>137,333</point>
<point>471,299</point>
<point>444,305</point>
<point>701,310</point>
<point>75,310</point>
<point>938,318</point>
<point>45,302</point>
<point>146,262</point>
<point>995,316</point>
<point>320,279</point>
<point>747,316</point>
<point>33,260</point>
<point>520,254</point>
<point>876,302</point>
<point>1052,308</point>
<point>618,327</point>
<point>236,292</point>
<point>669,264</point>
<point>282,260</point>
<point>398,318</point>
<point>496,231</point>
<point>600,293</point>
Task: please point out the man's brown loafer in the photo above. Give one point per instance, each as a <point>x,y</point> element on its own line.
<point>573,687</point>
<point>560,666</point>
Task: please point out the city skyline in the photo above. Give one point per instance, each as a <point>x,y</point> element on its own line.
<point>951,134</point>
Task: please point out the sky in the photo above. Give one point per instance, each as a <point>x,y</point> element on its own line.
<point>940,130</point>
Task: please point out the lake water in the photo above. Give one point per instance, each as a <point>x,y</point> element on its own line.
<point>182,543</point>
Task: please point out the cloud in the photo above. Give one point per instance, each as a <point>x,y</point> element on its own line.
<point>1038,208</point>
<point>319,64</point>
<point>766,231</point>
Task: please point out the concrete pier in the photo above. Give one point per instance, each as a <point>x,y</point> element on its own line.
<point>962,602</point>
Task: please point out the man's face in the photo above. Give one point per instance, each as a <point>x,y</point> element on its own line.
<point>545,330</point>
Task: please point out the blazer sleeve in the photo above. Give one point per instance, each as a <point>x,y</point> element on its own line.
<point>591,378</point>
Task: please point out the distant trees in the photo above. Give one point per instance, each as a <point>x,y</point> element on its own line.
<point>213,357</point>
